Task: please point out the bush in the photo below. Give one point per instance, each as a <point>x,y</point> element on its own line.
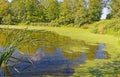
<point>107,26</point>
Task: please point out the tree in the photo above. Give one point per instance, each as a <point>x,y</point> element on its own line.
<point>27,11</point>
<point>94,10</point>
<point>64,8</point>
<point>81,17</point>
<point>78,12</point>
<point>7,19</point>
<point>67,10</point>
<point>81,14</point>
<point>34,11</point>
<point>51,10</point>
<point>115,12</point>
<point>4,5</point>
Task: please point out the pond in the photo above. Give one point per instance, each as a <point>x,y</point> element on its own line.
<point>46,53</point>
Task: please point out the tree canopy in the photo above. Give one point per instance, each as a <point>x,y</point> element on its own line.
<point>76,12</point>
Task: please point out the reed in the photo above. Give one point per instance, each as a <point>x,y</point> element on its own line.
<point>13,39</point>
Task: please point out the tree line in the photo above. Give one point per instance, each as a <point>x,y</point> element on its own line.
<point>75,12</point>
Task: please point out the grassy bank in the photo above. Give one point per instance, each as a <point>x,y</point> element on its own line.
<point>111,42</point>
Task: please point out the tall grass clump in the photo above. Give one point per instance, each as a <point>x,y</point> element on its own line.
<point>9,46</point>
<point>11,40</point>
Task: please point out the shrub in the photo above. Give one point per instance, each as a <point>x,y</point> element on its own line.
<point>107,26</point>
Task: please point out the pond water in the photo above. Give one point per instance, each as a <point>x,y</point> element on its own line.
<point>52,54</point>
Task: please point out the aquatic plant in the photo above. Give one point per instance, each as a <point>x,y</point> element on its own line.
<point>10,47</point>
<point>12,40</point>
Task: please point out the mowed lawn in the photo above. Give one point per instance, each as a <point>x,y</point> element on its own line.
<point>112,46</point>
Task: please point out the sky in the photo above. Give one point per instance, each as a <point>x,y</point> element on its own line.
<point>105,11</point>
<point>9,0</point>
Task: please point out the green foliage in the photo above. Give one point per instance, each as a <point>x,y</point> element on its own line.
<point>80,14</point>
<point>7,19</point>
<point>67,10</point>
<point>115,12</point>
<point>9,45</point>
<point>110,26</point>
<point>51,10</point>
<point>4,9</point>
<point>94,10</point>
<point>27,11</point>
<point>76,12</point>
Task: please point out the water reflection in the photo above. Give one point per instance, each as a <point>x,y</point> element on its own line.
<point>56,64</point>
<point>50,54</point>
<point>100,54</point>
<point>43,64</point>
<point>38,55</point>
<point>80,60</point>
